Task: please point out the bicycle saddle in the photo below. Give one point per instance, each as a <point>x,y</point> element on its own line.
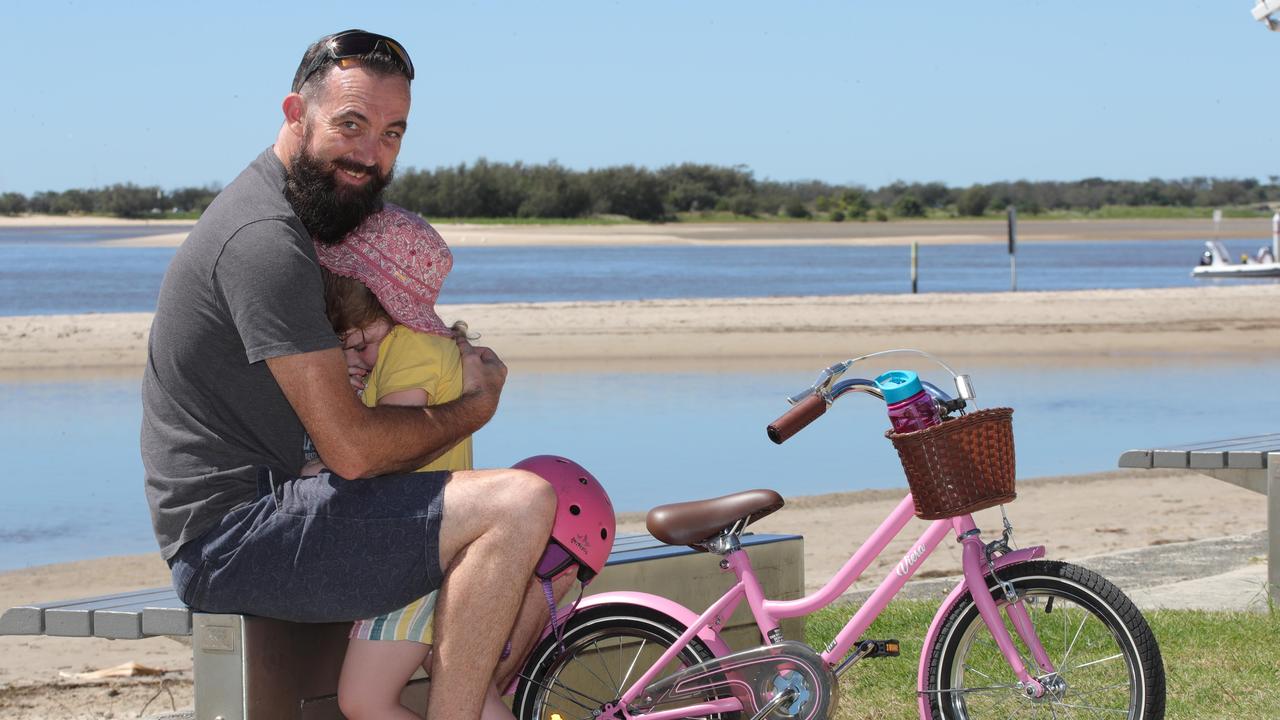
<point>696,521</point>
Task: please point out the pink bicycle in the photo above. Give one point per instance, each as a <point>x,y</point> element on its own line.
<point>1019,636</point>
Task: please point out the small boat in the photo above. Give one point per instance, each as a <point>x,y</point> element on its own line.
<point>1216,263</point>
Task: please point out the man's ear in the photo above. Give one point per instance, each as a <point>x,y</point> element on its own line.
<point>295,111</point>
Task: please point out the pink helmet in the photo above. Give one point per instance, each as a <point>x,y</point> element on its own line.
<point>584,524</point>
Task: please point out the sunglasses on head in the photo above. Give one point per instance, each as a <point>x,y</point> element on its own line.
<point>354,43</point>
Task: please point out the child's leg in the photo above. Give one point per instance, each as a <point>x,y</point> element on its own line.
<point>373,675</point>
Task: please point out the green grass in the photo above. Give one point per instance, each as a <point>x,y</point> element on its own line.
<point>1217,664</point>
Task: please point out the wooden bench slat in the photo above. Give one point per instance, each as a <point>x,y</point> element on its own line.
<point>75,619</point>
<point>22,620</point>
<point>1169,459</point>
<point>167,620</point>
<point>1136,459</point>
<point>126,622</point>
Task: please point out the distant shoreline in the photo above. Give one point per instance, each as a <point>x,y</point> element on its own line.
<point>901,232</point>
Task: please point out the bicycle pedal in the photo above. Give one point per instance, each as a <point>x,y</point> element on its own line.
<point>879,648</point>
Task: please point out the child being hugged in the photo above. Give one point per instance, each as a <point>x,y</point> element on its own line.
<point>381,285</point>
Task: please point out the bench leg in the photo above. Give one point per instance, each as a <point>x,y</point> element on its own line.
<point>250,668</point>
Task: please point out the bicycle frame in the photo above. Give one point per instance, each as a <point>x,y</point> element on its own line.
<point>768,613</point>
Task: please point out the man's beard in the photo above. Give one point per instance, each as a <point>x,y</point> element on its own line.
<point>326,210</point>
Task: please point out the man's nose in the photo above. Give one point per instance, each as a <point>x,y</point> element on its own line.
<point>366,152</point>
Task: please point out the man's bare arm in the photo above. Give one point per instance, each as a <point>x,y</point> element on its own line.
<point>355,441</point>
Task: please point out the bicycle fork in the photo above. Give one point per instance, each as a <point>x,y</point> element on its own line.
<point>976,557</point>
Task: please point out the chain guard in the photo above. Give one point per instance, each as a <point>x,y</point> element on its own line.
<point>754,677</point>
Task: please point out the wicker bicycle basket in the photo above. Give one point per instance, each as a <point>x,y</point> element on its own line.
<point>959,466</point>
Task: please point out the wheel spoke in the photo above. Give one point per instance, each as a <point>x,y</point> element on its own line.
<point>580,663</point>
<point>604,665</point>
<point>1094,708</point>
<point>969,668</point>
<point>626,679</point>
<point>552,689</point>
<point>1071,646</point>
<point>1099,661</point>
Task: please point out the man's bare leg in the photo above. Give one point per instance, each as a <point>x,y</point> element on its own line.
<point>530,621</point>
<point>496,525</point>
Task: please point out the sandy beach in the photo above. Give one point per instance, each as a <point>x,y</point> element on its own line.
<point>898,232</point>
<point>1079,326</point>
<point>1079,517</point>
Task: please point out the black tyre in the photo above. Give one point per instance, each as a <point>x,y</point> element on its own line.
<point>606,649</point>
<point>1107,659</point>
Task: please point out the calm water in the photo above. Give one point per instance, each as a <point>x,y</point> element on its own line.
<point>61,271</point>
<point>73,487</point>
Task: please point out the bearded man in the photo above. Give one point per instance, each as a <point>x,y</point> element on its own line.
<point>243,365</point>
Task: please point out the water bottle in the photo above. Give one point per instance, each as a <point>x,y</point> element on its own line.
<point>910,407</point>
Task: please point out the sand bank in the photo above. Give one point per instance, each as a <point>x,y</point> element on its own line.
<point>1076,517</point>
<point>926,232</point>
<point>1082,326</point>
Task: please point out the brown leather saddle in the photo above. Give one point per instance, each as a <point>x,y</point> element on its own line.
<point>697,521</point>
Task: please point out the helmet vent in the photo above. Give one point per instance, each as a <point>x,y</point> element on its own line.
<point>604,533</point>
<point>575,510</point>
<point>582,480</point>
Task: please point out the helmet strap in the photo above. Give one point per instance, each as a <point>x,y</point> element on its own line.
<point>556,623</point>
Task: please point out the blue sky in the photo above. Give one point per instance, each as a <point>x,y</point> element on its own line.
<point>179,93</point>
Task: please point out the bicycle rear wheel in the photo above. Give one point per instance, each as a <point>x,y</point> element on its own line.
<point>1107,660</point>
<point>606,649</point>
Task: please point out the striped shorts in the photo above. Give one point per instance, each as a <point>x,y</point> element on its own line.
<point>411,622</point>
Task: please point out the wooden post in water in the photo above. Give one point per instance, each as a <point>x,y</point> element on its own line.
<point>1013,248</point>
<point>915,264</point>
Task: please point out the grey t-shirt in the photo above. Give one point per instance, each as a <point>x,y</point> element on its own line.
<point>244,287</point>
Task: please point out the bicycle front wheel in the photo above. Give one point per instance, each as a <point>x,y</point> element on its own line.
<point>1108,662</point>
<point>606,649</point>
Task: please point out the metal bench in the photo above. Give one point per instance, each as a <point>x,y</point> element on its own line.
<point>1249,462</point>
<point>252,668</point>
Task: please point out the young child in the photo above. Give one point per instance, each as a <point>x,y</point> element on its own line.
<point>381,285</point>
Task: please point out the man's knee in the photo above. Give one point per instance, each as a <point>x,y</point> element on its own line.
<point>502,495</point>
<point>532,497</point>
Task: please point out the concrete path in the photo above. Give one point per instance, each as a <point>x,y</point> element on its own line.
<point>1227,573</point>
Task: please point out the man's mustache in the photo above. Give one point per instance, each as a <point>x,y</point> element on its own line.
<point>355,167</point>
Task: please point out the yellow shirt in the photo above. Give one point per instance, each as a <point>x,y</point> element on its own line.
<point>409,359</point>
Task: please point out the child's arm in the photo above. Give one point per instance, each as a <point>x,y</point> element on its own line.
<point>413,397</point>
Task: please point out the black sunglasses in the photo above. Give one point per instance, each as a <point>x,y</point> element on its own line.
<point>354,43</point>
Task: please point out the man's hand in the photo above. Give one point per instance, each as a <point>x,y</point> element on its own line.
<point>356,375</point>
<point>483,374</point>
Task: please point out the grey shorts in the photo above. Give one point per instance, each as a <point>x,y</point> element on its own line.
<point>319,549</point>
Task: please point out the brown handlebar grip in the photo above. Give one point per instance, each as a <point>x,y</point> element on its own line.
<point>795,419</point>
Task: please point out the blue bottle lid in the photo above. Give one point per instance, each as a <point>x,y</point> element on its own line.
<point>898,385</point>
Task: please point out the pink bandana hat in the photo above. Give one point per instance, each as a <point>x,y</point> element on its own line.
<point>401,259</point>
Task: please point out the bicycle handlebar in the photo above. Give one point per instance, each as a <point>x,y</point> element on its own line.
<point>810,404</point>
<point>794,420</point>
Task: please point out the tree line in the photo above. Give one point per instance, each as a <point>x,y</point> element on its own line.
<point>485,189</point>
